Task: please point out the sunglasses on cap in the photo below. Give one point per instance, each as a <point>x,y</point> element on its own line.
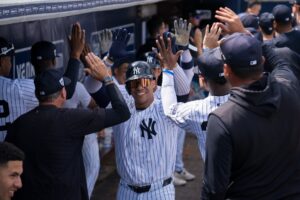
<point>144,82</point>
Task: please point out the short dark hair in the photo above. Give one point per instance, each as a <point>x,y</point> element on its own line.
<point>220,81</point>
<point>252,4</point>
<point>41,65</point>
<point>248,72</point>
<point>9,152</point>
<point>48,98</point>
<point>154,24</point>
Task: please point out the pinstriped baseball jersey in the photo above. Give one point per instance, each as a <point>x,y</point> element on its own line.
<point>192,116</point>
<point>146,145</point>
<point>16,98</point>
<point>157,93</point>
<point>139,142</point>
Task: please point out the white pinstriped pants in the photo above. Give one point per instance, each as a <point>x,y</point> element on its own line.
<point>91,160</point>
<point>179,164</point>
<point>162,193</point>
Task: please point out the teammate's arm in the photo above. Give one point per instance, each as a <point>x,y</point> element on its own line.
<point>169,62</point>
<point>183,75</point>
<point>77,42</point>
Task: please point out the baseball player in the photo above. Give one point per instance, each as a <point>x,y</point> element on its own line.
<point>192,116</point>
<point>146,143</point>
<point>181,175</point>
<point>17,96</point>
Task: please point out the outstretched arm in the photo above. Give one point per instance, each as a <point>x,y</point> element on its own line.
<point>77,42</point>
<point>168,62</point>
<point>119,111</point>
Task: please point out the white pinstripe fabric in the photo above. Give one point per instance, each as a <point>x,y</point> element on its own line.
<point>179,164</point>
<point>90,149</point>
<point>19,94</point>
<point>191,115</point>
<point>141,161</point>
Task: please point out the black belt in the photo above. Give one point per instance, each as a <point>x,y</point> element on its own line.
<point>146,188</point>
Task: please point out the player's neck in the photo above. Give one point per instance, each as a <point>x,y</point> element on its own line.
<point>57,103</point>
<point>219,90</point>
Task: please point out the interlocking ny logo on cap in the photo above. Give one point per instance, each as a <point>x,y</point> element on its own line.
<point>61,81</point>
<point>253,62</point>
<point>136,71</point>
<point>150,59</point>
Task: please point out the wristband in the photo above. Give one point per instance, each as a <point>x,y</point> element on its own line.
<point>167,71</point>
<point>107,80</point>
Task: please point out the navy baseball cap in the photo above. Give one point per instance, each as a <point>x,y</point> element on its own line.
<point>6,49</point>
<point>210,64</point>
<point>282,13</point>
<point>295,2</point>
<point>50,81</point>
<point>249,20</point>
<point>43,50</point>
<point>266,22</point>
<point>137,70</point>
<point>128,58</point>
<point>195,13</point>
<point>150,58</point>
<point>242,52</point>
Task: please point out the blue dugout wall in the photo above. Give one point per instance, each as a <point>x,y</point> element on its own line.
<point>24,34</point>
<point>25,24</point>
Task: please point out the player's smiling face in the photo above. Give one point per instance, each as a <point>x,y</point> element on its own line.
<point>10,180</point>
<point>142,92</point>
<point>5,64</point>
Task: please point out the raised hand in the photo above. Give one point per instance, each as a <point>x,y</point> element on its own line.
<point>212,36</point>
<point>118,47</point>
<point>232,21</point>
<point>84,53</point>
<point>182,33</point>
<point>198,40</point>
<point>96,67</point>
<point>166,57</point>
<point>77,41</point>
<point>105,40</point>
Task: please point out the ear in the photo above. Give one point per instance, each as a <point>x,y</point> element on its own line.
<point>263,60</point>
<point>54,61</point>
<point>63,93</point>
<point>274,24</point>
<point>153,84</point>
<point>115,70</point>
<point>203,83</point>
<point>227,71</point>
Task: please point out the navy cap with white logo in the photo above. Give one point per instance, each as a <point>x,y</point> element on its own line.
<point>43,50</point>
<point>282,13</point>
<point>266,22</point>
<point>6,49</point>
<point>210,64</point>
<point>242,52</point>
<point>137,70</point>
<point>150,58</point>
<point>249,20</point>
<point>295,2</point>
<point>50,81</point>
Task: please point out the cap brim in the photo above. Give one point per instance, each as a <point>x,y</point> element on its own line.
<point>139,77</point>
<point>67,81</point>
